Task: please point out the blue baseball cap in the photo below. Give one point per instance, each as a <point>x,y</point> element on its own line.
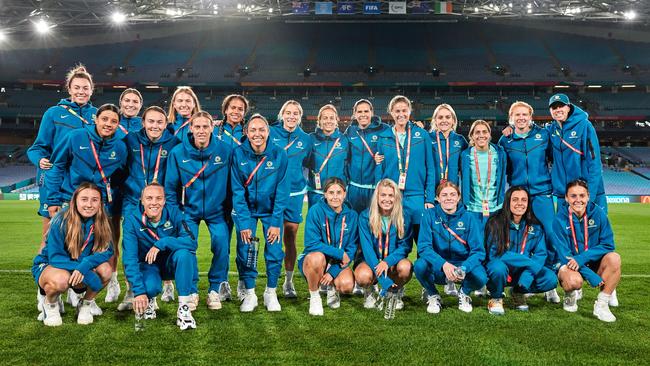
<point>559,98</point>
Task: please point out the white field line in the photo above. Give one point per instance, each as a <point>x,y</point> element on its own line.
<point>26,271</point>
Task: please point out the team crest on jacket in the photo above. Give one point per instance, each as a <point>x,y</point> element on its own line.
<point>217,159</point>
<point>338,145</point>
<point>592,222</point>
<point>417,134</point>
<point>163,153</point>
<point>531,229</point>
<point>269,165</point>
<point>112,157</point>
<point>456,143</point>
<point>538,136</point>
<point>460,225</point>
<point>168,224</point>
<point>573,134</point>
<point>299,145</point>
<point>374,138</point>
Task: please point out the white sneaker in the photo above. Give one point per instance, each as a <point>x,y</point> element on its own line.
<point>434,304</point>
<point>333,298</point>
<point>495,306</point>
<point>289,291</point>
<point>613,300</point>
<point>315,305</point>
<point>194,301</point>
<point>184,318</point>
<point>113,291</point>
<point>168,291</point>
<point>450,288</point>
<point>602,312</point>
<point>127,302</point>
<point>94,308</point>
<point>480,293</point>
<point>249,303</point>
<point>224,291</point>
<point>51,314</point>
<point>271,300</point>
<point>358,290</point>
<point>73,298</point>
<point>155,303</point>
<point>150,311</point>
<point>570,303</point>
<point>214,300</point>
<point>84,313</point>
<point>369,299</point>
<point>579,294</point>
<point>464,302</point>
<point>552,296</point>
<point>241,290</point>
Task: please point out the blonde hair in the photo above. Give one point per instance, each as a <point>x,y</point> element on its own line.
<point>285,105</point>
<point>230,98</point>
<point>519,104</point>
<point>396,215</point>
<point>200,114</point>
<point>478,122</point>
<point>73,222</point>
<point>434,124</point>
<point>171,114</point>
<point>330,107</point>
<point>399,98</point>
<point>78,71</point>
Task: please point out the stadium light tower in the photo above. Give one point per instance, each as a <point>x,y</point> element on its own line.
<point>629,15</point>
<point>42,27</point>
<point>3,36</point>
<point>118,17</point>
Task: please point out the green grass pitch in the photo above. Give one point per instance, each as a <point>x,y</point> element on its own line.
<point>350,335</point>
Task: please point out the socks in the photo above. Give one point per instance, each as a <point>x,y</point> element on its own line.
<point>289,276</point>
<point>314,293</point>
<point>184,300</point>
<point>114,277</point>
<point>270,290</point>
<point>604,297</point>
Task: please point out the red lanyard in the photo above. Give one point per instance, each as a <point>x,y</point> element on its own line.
<point>565,142</point>
<point>366,144</point>
<point>257,167</point>
<point>573,232</point>
<point>90,232</point>
<point>101,171</point>
<point>72,112</point>
<point>383,250</point>
<point>453,233</point>
<point>523,240</point>
<point>231,136</point>
<point>193,179</point>
<point>329,155</point>
<point>151,232</point>
<point>489,173</point>
<point>327,229</point>
<point>144,170</point>
<point>289,144</point>
<point>408,152</point>
<point>126,132</point>
<point>443,175</point>
<point>180,128</point>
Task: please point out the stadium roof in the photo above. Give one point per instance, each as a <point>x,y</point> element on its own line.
<point>41,15</point>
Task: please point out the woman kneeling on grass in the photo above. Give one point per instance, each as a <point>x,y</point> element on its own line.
<point>585,244</point>
<point>450,248</point>
<point>76,254</point>
<point>385,239</point>
<point>331,239</point>
<point>515,243</point>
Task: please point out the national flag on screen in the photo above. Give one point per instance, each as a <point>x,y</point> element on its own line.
<point>372,8</point>
<point>397,7</point>
<point>300,7</point>
<point>345,7</point>
<point>419,7</point>
<point>444,7</point>
<point>323,7</point>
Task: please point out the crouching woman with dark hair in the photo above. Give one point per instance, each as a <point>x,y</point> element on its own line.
<point>516,249</point>
<point>76,254</point>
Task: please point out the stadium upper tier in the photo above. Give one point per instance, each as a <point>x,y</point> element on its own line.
<point>342,53</point>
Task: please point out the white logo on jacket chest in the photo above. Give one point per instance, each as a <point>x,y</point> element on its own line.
<point>573,135</point>
<point>112,156</point>
<point>217,160</point>
<point>460,225</point>
<point>269,165</point>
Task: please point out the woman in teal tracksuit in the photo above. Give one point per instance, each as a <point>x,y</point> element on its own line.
<point>447,144</point>
<point>69,114</point>
<point>386,243</point>
<point>331,239</point>
<point>184,104</point>
<point>576,151</point>
<point>197,181</point>
<point>260,186</point>
<point>585,244</point>
<point>516,249</point>
<point>130,104</point>
<point>297,143</point>
<point>75,257</point>
<point>483,167</point>
<point>408,161</point>
<point>363,133</point>
<point>158,245</point>
<point>329,154</point>
<point>450,248</point>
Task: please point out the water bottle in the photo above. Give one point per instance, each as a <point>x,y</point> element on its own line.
<point>139,321</point>
<point>460,272</point>
<point>253,249</point>
<point>390,303</point>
